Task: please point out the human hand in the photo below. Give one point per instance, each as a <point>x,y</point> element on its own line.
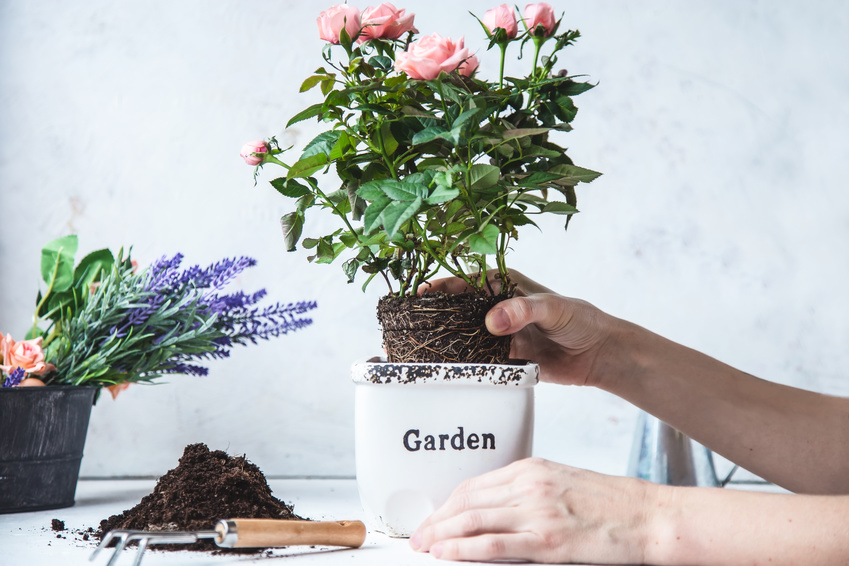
<point>541,511</point>
<point>570,339</point>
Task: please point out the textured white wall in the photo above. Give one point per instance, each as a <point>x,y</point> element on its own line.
<point>721,221</point>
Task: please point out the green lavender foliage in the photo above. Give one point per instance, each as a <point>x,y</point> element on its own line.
<point>90,351</point>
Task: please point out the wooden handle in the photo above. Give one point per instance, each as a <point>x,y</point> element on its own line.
<point>260,533</point>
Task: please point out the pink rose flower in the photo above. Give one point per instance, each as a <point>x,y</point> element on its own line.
<point>426,58</point>
<point>540,14</point>
<point>385,22</point>
<point>501,17</point>
<point>114,390</point>
<point>252,147</point>
<point>26,355</point>
<point>332,21</point>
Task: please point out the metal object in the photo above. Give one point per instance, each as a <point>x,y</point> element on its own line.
<point>664,455</point>
<point>243,533</point>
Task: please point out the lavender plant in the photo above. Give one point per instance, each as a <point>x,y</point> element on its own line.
<point>121,325</point>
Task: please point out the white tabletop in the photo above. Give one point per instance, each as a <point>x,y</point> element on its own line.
<point>27,538</point>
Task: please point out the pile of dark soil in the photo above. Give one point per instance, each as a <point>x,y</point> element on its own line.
<point>441,328</point>
<point>205,487</point>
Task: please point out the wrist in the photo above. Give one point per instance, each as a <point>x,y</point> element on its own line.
<point>621,358</point>
<point>660,538</point>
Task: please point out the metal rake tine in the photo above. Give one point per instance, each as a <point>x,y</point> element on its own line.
<point>142,547</point>
<point>123,539</point>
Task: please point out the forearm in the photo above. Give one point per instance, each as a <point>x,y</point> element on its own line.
<point>795,438</point>
<point>728,527</point>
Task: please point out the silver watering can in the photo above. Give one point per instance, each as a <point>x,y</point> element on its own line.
<point>664,455</point>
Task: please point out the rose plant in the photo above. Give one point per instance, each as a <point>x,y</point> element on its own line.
<point>437,167</point>
<point>103,322</point>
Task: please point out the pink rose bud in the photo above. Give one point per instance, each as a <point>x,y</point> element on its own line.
<point>385,22</point>
<point>26,355</point>
<point>540,14</point>
<point>501,17</point>
<point>332,21</point>
<point>426,58</point>
<point>252,147</point>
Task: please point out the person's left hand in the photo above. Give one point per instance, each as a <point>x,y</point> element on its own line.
<point>541,511</point>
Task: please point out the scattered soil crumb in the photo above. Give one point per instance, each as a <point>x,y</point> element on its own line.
<point>205,487</point>
<point>57,525</point>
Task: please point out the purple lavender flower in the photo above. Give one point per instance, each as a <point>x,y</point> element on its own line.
<point>196,295</point>
<point>15,377</point>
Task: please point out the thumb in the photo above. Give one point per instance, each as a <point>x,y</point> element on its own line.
<point>512,315</point>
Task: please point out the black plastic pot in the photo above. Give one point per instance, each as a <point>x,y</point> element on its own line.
<point>42,434</point>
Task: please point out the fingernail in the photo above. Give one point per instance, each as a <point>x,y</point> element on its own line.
<point>436,550</point>
<point>416,541</point>
<point>497,321</point>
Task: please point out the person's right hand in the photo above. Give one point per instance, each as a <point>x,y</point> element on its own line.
<point>570,339</point>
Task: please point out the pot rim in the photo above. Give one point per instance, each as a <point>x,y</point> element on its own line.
<point>377,371</point>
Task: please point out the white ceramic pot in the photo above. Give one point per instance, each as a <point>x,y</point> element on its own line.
<point>421,429</point>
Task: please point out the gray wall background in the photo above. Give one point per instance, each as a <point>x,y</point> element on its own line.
<point>721,222</point>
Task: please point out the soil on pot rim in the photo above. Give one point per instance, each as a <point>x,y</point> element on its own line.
<point>441,328</point>
<point>205,487</point>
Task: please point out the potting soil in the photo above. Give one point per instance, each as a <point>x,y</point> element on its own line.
<point>206,486</point>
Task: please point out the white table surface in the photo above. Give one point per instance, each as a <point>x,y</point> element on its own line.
<point>28,539</point>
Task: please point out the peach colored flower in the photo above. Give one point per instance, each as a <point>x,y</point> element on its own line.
<point>502,17</point>
<point>114,390</point>
<point>332,21</point>
<point>252,147</point>
<point>426,58</point>
<point>26,355</point>
<point>540,14</point>
<point>385,22</point>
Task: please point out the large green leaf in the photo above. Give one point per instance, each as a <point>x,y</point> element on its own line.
<point>305,114</point>
<point>292,224</point>
<point>558,207</point>
<point>572,174</point>
<point>442,194</point>
<point>523,132</point>
<point>322,143</point>
<point>372,217</point>
<point>485,241</point>
<point>57,263</point>
<point>307,166</point>
<point>397,213</point>
<point>483,176</point>
<point>289,187</point>
<point>92,267</point>
<point>429,134</point>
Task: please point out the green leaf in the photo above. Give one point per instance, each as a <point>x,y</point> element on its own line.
<point>572,174</point>
<point>322,143</point>
<point>523,132</point>
<point>395,190</point>
<point>307,166</point>
<point>372,217</point>
<point>293,225</point>
<point>310,82</point>
<point>464,116</point>
<point>370,191</point>
<point>429,134</point>
<point>397,213</point>
<point>340,147</point>
<point>350,268</point>
<point>57,263</point>
<point>306,114</point>
<point>485,241</point>
<point>383,63</point>
<point>92,267</point>
<point>483,176</point>
<point>442,194</point>
<point>289,187</point>
<point>390,144</point>
<point>557,207</point>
